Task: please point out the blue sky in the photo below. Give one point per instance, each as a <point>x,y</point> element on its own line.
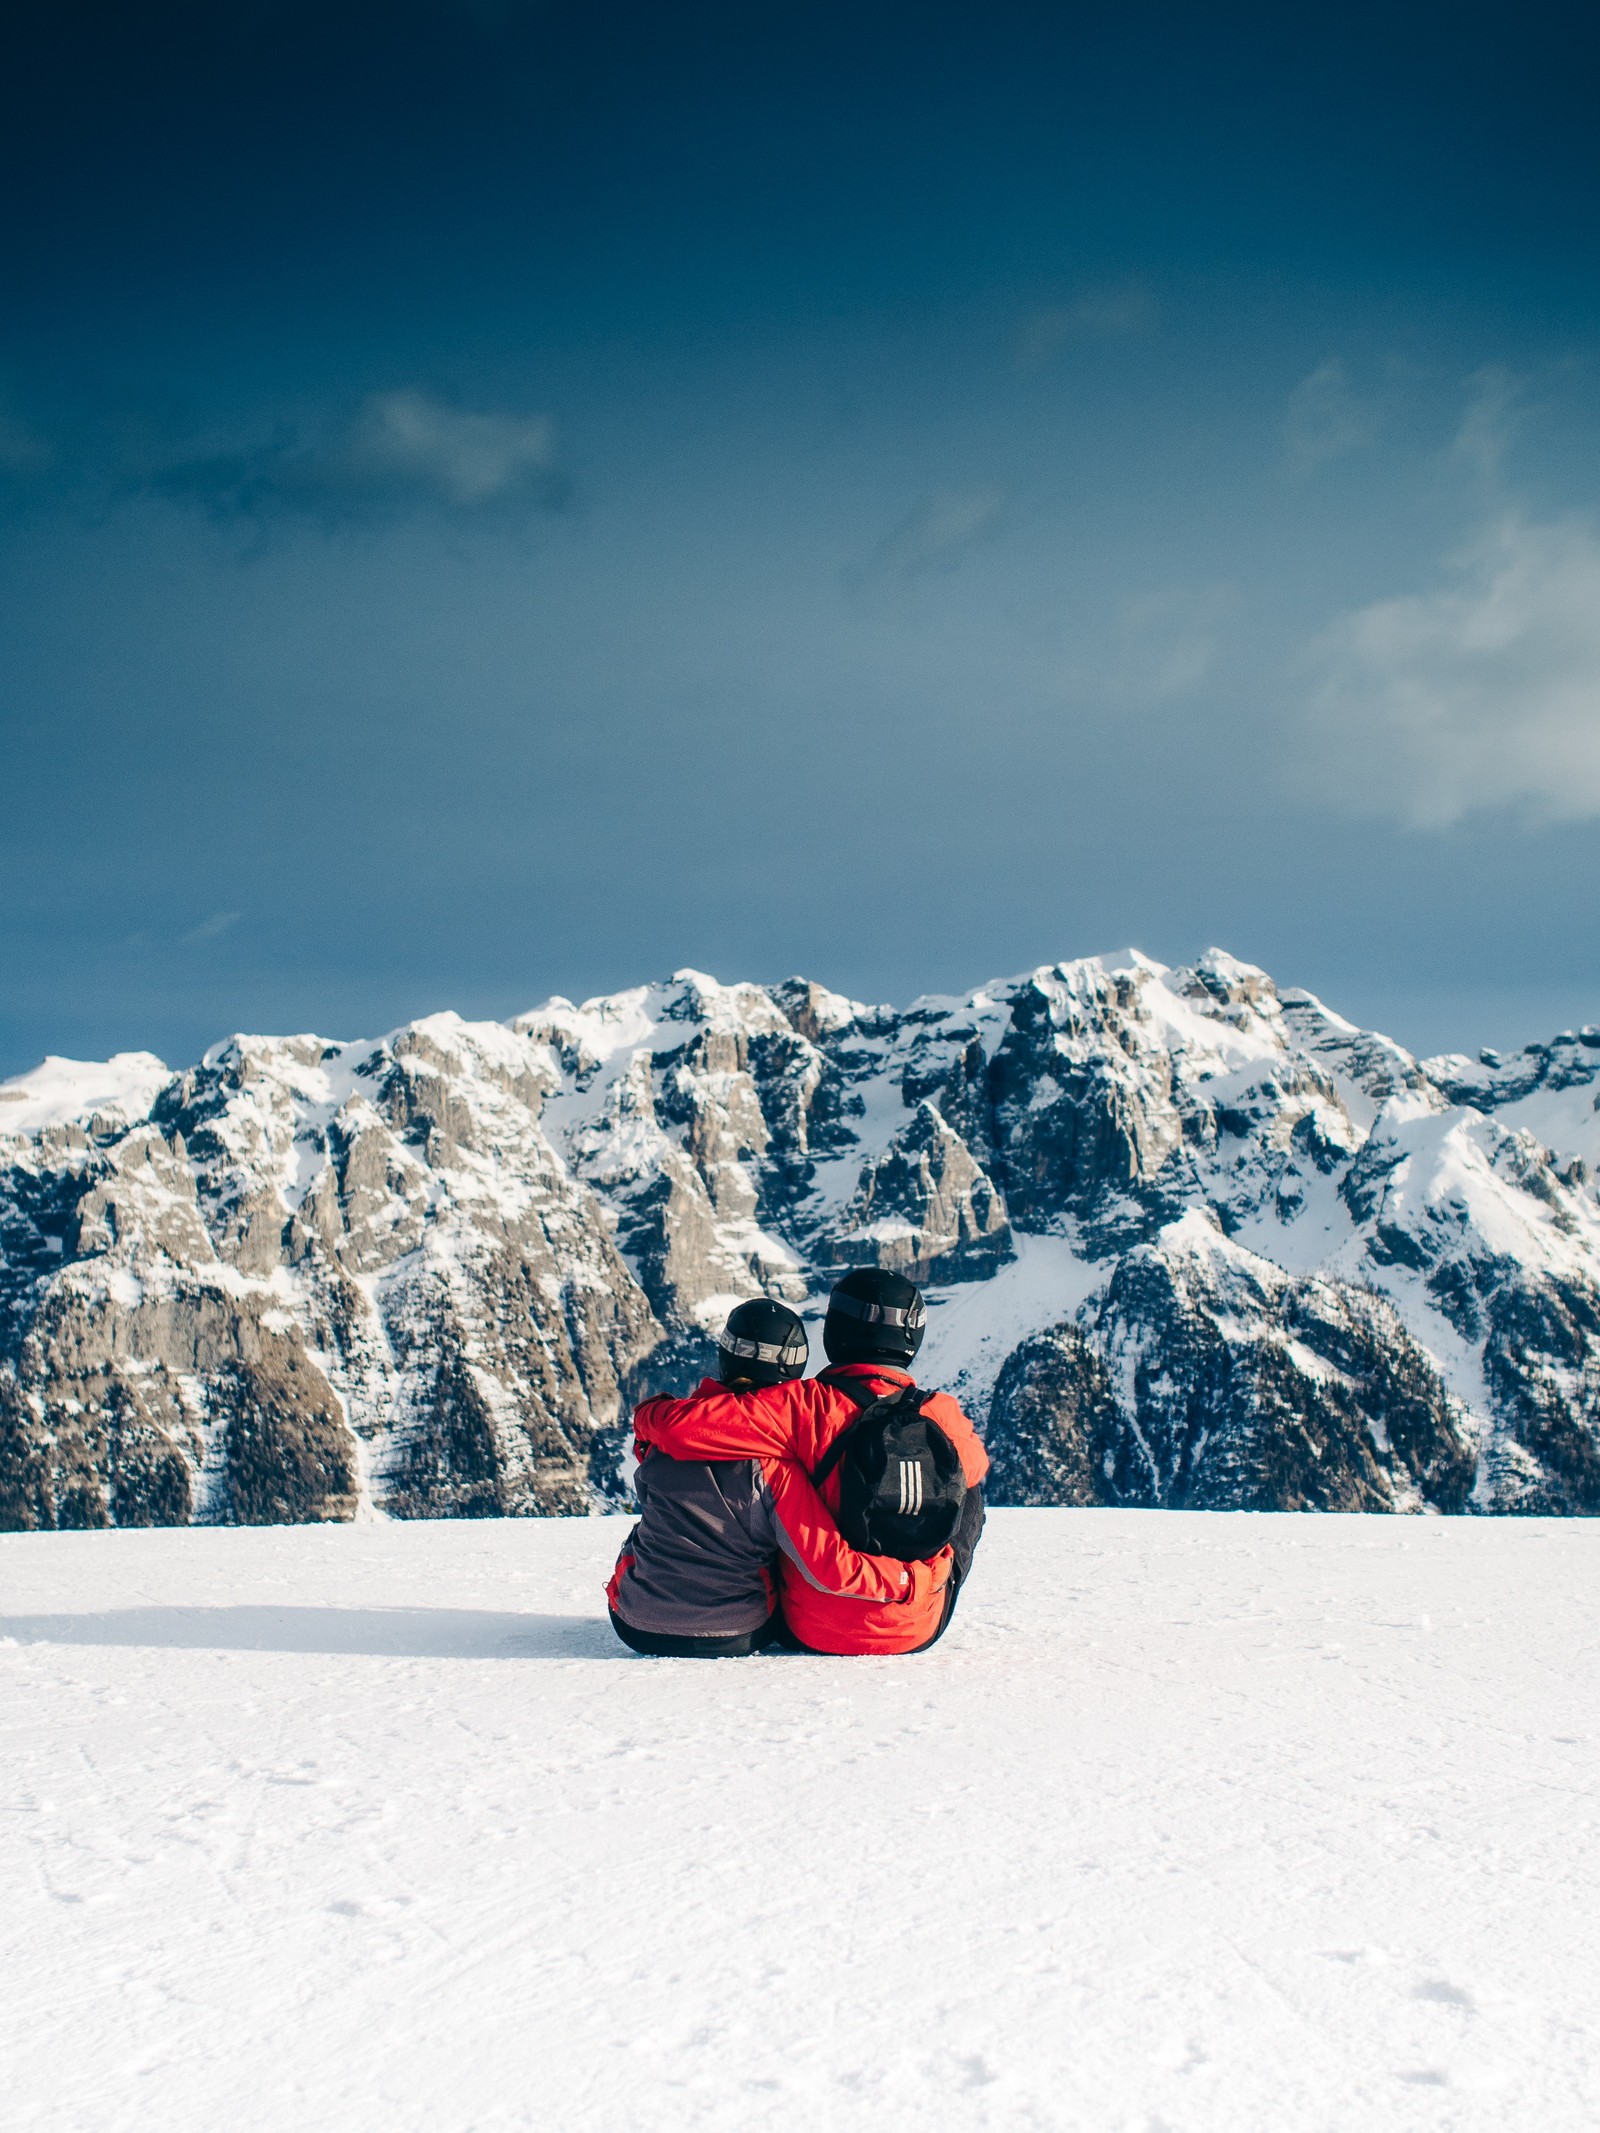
<point>498,499</point>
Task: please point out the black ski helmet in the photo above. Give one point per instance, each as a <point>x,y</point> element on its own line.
<point>873,1317</point>
<point>763,1343</point>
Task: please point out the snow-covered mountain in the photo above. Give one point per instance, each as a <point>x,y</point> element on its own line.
<point>1188,1240</point>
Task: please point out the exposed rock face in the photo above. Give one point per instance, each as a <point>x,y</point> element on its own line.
<point>1188,1242</point>
<point>1206,1379</point>
<point>314,1275</point>
<point>1054,1423</point>
<point>925,1208</point>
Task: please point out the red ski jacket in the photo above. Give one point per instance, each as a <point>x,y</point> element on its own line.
<point>834,1599</point>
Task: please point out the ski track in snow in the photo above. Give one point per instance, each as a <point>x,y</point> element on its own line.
<point>1192,1824</point>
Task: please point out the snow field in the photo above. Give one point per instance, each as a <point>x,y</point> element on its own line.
<point>1192,1824</point>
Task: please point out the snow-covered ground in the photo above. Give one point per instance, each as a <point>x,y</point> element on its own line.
<point>1192,1822</point>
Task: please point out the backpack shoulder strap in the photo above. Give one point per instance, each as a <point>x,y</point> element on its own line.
<point>853,1389</point>
<point>868,1406</point>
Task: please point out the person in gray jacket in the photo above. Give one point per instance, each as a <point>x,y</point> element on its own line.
<point>695,1576</point>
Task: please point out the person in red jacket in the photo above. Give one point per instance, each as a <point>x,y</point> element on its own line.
<point>697,1576</point>
<point>833,1599</point>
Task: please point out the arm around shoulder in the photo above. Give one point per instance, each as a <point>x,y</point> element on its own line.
<point>716,1424</point>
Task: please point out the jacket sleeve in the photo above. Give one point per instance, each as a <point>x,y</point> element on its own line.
<point>715,1425</point>
<point>811,1540</point>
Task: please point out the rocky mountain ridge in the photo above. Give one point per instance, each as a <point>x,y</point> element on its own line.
<point>1188,1241</point>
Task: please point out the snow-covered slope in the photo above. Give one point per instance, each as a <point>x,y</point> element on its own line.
<point>1189,1241</point>
<point>1233,1825</point>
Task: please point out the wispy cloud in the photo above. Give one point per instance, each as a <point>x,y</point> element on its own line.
<point>936,533</point>
<point>1493,415</point>
<point>212,928</point>
<point>400,452</point>
<point>466,458</point>
<point>1169,641</point>
<point>1326,418</point>
<point>1482,693</point>
<point>1092,314</point>
<point>24,453</point>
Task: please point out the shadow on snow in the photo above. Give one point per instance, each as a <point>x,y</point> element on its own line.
<point>375,1632</point>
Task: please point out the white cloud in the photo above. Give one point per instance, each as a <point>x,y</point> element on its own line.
<point>1094,314</point>
<point>1325,419</point>
<point>938,532</point>
<point>1169,641</point>
<point>400,452</point>
<point>1482,694</point>
<point>1490,422</point>
<point>468,458</point>
<point>212,928</point>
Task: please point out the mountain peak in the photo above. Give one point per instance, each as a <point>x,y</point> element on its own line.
<point>1186,1240</point>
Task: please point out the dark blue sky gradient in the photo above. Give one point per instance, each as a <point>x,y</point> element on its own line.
<point>500,499</point>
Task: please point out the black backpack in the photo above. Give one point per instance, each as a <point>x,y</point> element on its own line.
<point>901,1487</point>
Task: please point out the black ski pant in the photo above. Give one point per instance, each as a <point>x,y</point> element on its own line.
<point>657,1645</point>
